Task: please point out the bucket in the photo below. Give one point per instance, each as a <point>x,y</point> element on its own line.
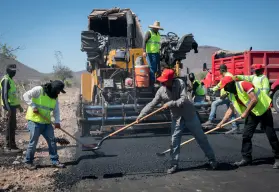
<point>142,75</point>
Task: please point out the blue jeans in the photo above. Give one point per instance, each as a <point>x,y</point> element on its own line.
<point>37,129</point>
<point>153,60</point>
<point>194,126</point>
<point>214,106</point>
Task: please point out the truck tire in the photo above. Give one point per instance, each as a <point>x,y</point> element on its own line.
<point>275,101</point>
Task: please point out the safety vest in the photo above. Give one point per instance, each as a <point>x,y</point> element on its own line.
<point>200,90</point>
<point>261,106</point>
<point>12,93</point>
<point>222,92</point>
<point>45,106</point>
<point>153,44</point>
<point>260,82</point>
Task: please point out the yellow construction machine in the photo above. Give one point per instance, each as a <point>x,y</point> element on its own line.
<point>110,96</point>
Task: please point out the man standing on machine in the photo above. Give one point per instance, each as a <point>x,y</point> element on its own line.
<point>151,50</point>
<point>183,112</point>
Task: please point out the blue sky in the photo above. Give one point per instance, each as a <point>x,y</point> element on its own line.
<point>44,26</point>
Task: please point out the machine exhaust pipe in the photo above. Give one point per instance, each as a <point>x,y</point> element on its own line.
<point>130,29</point>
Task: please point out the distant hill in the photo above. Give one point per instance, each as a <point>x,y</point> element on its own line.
<point>194,61</point>
<point>24,72</point>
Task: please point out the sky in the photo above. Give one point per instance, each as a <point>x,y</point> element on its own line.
<point>45,26</point>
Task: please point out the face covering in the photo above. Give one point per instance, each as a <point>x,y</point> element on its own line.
<point>51,91</point>
<point>258,72</point>
<point>231,87</point>
<point>11,73</point>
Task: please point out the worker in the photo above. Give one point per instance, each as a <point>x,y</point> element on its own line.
<point>254,106</point>
<point>259,80</point>
<point>183,113</point>
<point>221,101</point>
<point>10,102</point>
<point>198,91</point>
<point>42,100</point>
<point>151,50</point>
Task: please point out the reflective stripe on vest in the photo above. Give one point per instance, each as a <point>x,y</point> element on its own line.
<point>153,44</point>
<point>45,105</point>
<point>12,92</point>
<point>261,106</point>
<point>199,91</point>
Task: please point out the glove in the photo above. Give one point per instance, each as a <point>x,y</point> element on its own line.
<point>35,110</point>
<point>169,104</point>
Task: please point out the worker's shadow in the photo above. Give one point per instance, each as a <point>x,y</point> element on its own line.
<point>221,167</point>
<point>83,157</point>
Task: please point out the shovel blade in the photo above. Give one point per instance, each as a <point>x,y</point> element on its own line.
<point>161,154</point>
<point>90,147</point>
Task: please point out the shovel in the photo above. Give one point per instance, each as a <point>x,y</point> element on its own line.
<point>82,144</point>
<point>188,141</point>
<point>127,126</point>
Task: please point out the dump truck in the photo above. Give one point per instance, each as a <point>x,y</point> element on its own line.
<point>116,85</point>
<point>241,63</point>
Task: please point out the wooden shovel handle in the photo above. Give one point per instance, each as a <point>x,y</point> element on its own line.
<point>127,126</point>
<point>61,129</point>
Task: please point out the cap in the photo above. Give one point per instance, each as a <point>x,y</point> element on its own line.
<point>257,66</point>
<point>167,74</point>
<point>59,85</point>
<point>223,67</point>
<point>225,81</point>
<point>11,67</point>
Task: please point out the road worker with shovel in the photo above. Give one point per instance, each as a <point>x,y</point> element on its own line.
<point>173,94</point>
<point>254,105</point>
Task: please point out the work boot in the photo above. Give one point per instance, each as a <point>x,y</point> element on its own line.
<point>57,164</point>
<point>243,163</point>
<point>172,169</point>
<point>276,164</point>
<point>234,130</point>
<point>213,164</point>
<point>30,166</point>
<point>15,149</point>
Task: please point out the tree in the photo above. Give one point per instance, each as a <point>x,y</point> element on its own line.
<point>7,51</point>
<point>62,72</point>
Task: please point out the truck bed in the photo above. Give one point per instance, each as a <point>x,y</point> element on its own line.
<point>242,64</point>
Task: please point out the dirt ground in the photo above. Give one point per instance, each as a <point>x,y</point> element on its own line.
<point>14,177</point>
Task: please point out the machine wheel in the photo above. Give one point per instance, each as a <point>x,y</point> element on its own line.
<point>275,101</point>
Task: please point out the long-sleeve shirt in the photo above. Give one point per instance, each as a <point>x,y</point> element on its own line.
<point>4,93</point>
<point>35,93</point>
<point>181,106</point>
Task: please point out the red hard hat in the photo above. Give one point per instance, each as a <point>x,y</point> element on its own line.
<point>258,66</point>
<point>225,81</point>
<point>167,74</point>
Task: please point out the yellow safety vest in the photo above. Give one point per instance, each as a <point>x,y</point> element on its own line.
<point>45,105</point>
<point>12,93</point>
<point>261,106</point>
<point>222,92</point>
<point>260,82</point>
<point>153,44</point>
<point>199,91</point>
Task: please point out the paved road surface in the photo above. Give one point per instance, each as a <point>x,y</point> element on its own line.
<point>131,165</point>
